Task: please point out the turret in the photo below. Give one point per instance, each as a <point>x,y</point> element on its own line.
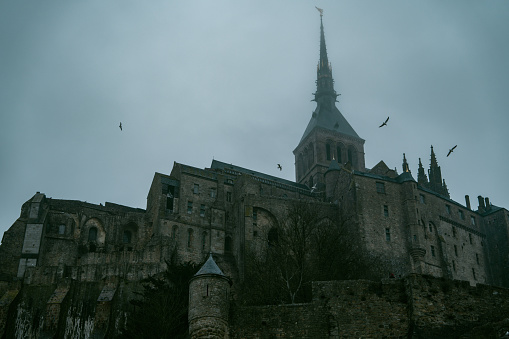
<point>209,302</point>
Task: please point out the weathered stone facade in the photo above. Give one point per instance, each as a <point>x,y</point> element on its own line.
<point>68,268</point>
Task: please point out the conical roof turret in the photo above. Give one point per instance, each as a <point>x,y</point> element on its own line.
<point>210,267</point>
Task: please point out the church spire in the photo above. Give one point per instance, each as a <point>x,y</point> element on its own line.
<point>435,176</point>
<point>422,179</point>
<point>324,80</point>
<point>406,168</point>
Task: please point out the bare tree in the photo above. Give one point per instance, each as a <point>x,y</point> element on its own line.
<point>314,241</point>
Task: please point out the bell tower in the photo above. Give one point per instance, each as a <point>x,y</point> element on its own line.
<point>328,135</point>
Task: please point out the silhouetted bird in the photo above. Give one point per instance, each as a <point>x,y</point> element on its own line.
<point>451,150</point>
<point>384,123</point>
<point>279,166</point>
<point>120,126</point>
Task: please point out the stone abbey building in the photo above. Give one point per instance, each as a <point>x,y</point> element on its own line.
<point>60,255</point>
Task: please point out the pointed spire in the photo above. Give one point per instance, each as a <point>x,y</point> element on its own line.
<point>422,179</point>
<point>444,186</point>
<point>405,164</point>
<point>433,163</point>
<point>324,80</point>
<point>435,176</point>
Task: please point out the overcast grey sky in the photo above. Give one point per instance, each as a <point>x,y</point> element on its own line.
<point>232,80</point>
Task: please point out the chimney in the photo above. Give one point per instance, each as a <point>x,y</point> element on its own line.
<point>467,201</point>
<point>481,204</point>
<point>487,200</point>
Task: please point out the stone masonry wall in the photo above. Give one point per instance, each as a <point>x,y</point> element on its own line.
<point>414,307</point>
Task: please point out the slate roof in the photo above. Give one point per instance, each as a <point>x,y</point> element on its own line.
<point>240,170</point>
<point>210,267</point>
<point>331,120</point>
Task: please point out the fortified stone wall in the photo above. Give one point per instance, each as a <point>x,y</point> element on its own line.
<point>415,307</point>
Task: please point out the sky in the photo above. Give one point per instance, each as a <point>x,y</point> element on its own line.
<point>193,81</point>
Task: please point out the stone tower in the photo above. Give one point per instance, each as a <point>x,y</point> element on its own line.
<point>209,302</point>
<point>328,135</point>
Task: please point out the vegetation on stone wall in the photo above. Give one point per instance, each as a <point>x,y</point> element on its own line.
<point>162,307</point>
<point>313,243</point>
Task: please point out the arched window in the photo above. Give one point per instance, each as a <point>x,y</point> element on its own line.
<point>228,244</point>
<point>338,154</point>
<point>352,156</point>
<point>126,238</point>
<point>92,234</point>
<point>189,237</point>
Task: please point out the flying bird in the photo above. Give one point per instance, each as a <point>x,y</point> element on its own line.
<point>384,123</point>
<point>451,150</point>
<point>120,126</point>
<point>279,167</point>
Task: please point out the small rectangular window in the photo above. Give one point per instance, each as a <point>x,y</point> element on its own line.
<point>430,226</point>
<point>456,250</point>
<point>462,215</point>
<point>387,234</point>
<point>386,210</point>
<point>255,216</point>
<point>472,220</point>
<point>473,273</point>
<point>470,238</point>
<point>454,231</point>
<point>448,209</point>
<point>196,189</point>
<point>432,251</point>
<point>213,192</point>
<point>229,196</point>
<point>202,210</point>
<point>380,187</point>
<point>454,265</point>
<point>477,258</point>
<point>189,207</point>
<point>422,198</point>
